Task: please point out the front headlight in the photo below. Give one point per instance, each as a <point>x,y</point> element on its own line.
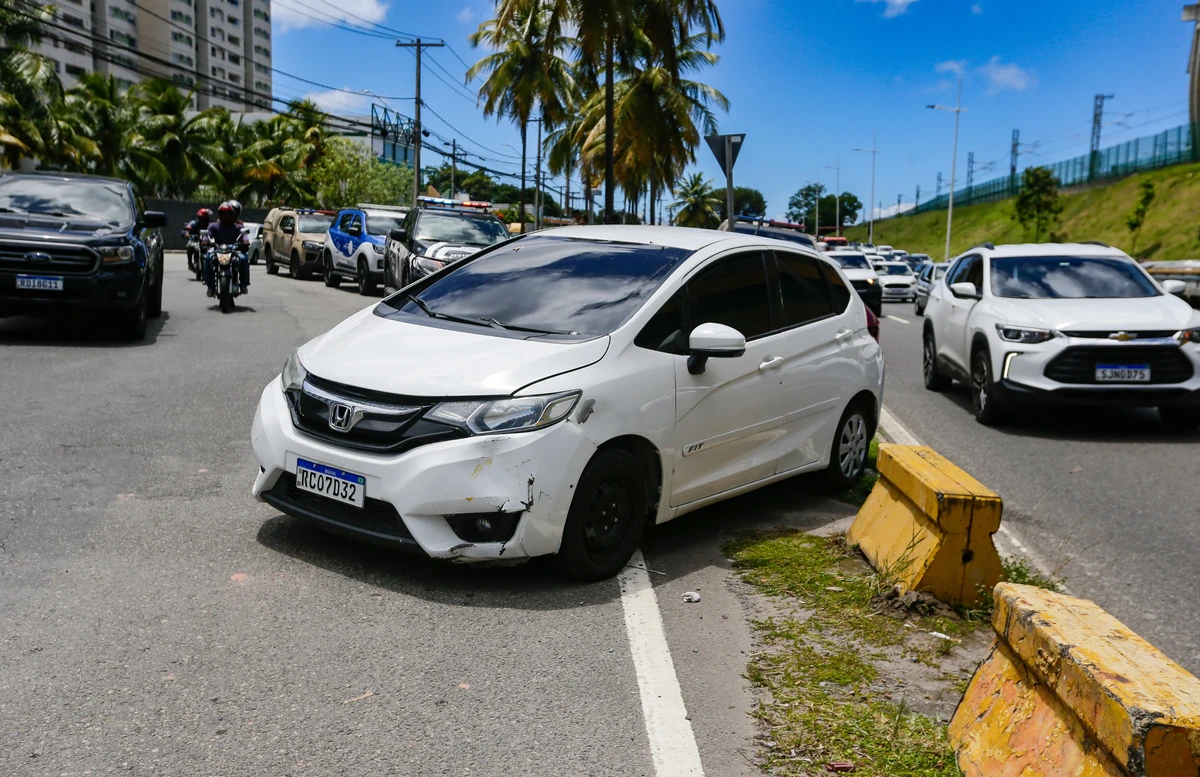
<point>293,374</point>
<point>1189,336</point>
<point>426,265</point>
<point>378,247</point>
<point>312,245</point>
<point>224,258</point>
<point>870,281</point>
<point>1025,335</point>
<point>520,414</point>
<point>116,254</point>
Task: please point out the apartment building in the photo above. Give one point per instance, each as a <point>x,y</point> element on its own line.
<point>219,48</point>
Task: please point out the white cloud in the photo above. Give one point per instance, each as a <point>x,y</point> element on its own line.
<point>977,9</point>
<point>1001,77</point>
<point>339,102</point>
<point>352,11</point>
<point>466,15</point>
<point>893,7</point>
<point>955,66</point>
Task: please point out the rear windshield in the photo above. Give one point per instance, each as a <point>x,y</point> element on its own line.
<point>893,269</point>
<point>101,201</point>
<point>1068,277</point>
<point>852,261</point>
<point>545,284</point>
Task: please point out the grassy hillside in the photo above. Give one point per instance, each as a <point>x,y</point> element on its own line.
<point>1172,229</point>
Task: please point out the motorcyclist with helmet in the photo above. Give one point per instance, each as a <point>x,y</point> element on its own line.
<point>199,225</point>
<point>227,230</point>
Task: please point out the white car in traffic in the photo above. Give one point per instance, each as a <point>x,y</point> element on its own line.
<point>558,392</point>
<point>897,280</point>
<point>862,275</point>
<point>1053,324</point>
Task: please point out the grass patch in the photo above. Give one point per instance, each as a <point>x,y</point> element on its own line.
<point>862,489</point>
<point>1015,570</point>
<point>818,668</point>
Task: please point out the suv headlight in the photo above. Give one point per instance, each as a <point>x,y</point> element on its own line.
<point>293,374</point>
<point>116,254</point>
<point>312,245</point>
<point>1025,335</point>
<point>427,265</point>
<point>520,414</point>
<point>378,247</point>
<point>1189,336</point>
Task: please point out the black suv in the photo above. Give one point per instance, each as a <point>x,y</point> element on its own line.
<point>79,242</point>
<point>435,235</point>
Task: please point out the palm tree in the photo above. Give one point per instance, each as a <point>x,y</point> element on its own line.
<point>28,83</point>
<point>526,72</point>
<point>183,152</point>
<point>696,203</point>
<point>108,117</point>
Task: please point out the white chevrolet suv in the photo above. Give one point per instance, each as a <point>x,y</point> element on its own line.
<point>557,392</point>
<point>1077,323</point>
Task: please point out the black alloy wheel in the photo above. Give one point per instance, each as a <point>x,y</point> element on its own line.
<point>607,518</point>
<point>984,404</point>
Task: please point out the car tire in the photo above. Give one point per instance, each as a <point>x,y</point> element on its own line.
<point>253,258</point>
<point>934,379</point>
<point>917,309</point>
<point>850,447</point>
<point>877,310</point>
<point>272,268</point>
<point>607,517</point>
<point>156,294</point>
<point>984,405</point>
<point>1182,418</point>
<point>366,284</point>
<point>131,324</point>
<point>294,266</point>
<point>332,279</point>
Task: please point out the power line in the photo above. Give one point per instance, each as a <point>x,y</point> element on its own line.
<point>468,137</point>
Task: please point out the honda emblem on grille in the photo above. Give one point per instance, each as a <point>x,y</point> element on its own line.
<point>1123,337</point>
<point>342,417</point>
<point>37,256</point>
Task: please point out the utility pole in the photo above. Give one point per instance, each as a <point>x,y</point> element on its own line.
<point>1191,13</point>
<point>957,110</point>
<point>1012,163</point>
<point>970,174</point>
<point>817,209</point>
<point>917,200</point>
<point>938,191</point>
<point>417,44</point>
<point>873,150</point>
<point>837,230</point>
<point>899,202</point>
<point>453,163</point>
<point>537,181</point>
<point>1097,124</point>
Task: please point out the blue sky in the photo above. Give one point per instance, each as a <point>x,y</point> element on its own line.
<point>809,81</point>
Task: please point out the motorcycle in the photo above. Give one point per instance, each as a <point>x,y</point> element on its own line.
<point>225,260</point>
<point>194,260</point>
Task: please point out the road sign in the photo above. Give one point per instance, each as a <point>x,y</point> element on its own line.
<point>717,144</point>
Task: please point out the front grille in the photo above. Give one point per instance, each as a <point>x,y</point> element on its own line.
<point>377,516</point>
<point>1168,364</point>
<point>1145,334</point>
<point>64,258</point>
<point>382,429</point>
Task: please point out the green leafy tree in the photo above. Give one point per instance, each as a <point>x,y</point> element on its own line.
<point>802,204</point>
<point>696,203</point>
<point>746,202</point>
<point>348,173</point>
<point>1137,217</point>
<point>1038,206</point>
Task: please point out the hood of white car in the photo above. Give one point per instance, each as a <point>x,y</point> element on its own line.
<point>1142,313</point>
<point>396,357</point>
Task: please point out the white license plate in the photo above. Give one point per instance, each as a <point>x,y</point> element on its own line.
<point>1122,373</point>
<point>40,282</point>
<point>331,483</point>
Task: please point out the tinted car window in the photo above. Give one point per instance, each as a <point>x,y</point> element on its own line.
<point>317,223</point>
<point>804,293</point>
<point>732,292</point>
<point>1068,277</point>
<point>666,331</point>
<point>839,291</point>
<point>974,273</point>
<point>959,269</point>
<point>453,228</point>
<point>379,225</point>
<point>102,201</point>
<point>344,222</point>
<point>852,261</point>
<point>547,284</point>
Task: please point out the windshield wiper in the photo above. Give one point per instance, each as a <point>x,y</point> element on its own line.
<point>517,328</point>
<point>12,210</point>
<point>424,306</point>
<point>55,213</point>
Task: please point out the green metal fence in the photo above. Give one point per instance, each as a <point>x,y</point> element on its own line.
<point>1170,147</point>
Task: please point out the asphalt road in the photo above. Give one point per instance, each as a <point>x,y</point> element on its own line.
<point>155,620</point>
<point>1107,497</point>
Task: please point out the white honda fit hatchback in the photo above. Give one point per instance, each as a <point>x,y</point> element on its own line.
<point>555,393</point>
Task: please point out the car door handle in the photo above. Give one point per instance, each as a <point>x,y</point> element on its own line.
<point>770,362</point>
<point>842,334</point>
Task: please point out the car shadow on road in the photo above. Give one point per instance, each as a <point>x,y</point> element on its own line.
<point>1083,424</point>
<point>673,550</point>
<point>74,331</point>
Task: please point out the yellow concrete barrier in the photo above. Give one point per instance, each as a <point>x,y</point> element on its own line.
<point>927,525</point>
<point>1069,691</point>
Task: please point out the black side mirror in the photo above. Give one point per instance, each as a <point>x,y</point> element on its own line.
<point>154,219</point>
<point>288,230</point>
<point>398,234</point>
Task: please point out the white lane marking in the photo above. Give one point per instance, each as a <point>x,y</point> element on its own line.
<point>672,742</point>
<point>898,319</point>
<point>899,434</point>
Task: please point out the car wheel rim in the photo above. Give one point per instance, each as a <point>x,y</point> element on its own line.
<point>927,358</point>
<point>852,446</point>
<point>979,381</point>
<point>607,520</point>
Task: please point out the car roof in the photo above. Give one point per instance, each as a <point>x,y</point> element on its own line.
<point>1049,249</point>
<point>686,238</point>
<point>64,176</point>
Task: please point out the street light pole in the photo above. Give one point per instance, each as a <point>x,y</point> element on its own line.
<point>817,209</point>
<point>957,110</point>
<point>837,229</point>
<point>871,202</point>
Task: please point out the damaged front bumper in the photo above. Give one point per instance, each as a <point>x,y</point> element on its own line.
<point>486,497</point>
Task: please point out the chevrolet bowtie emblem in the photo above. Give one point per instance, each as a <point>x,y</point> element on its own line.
<point>1123,337</point>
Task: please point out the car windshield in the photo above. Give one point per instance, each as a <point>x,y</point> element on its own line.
<point>379,224</point>
<point>894,269</point>
<point>102,201</point>
<point>1068,277</point>
<point>547,285</point>
<point>315,224</point>
<point>789,235</point>
<point>852,261</point>
<point>451,228</point>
